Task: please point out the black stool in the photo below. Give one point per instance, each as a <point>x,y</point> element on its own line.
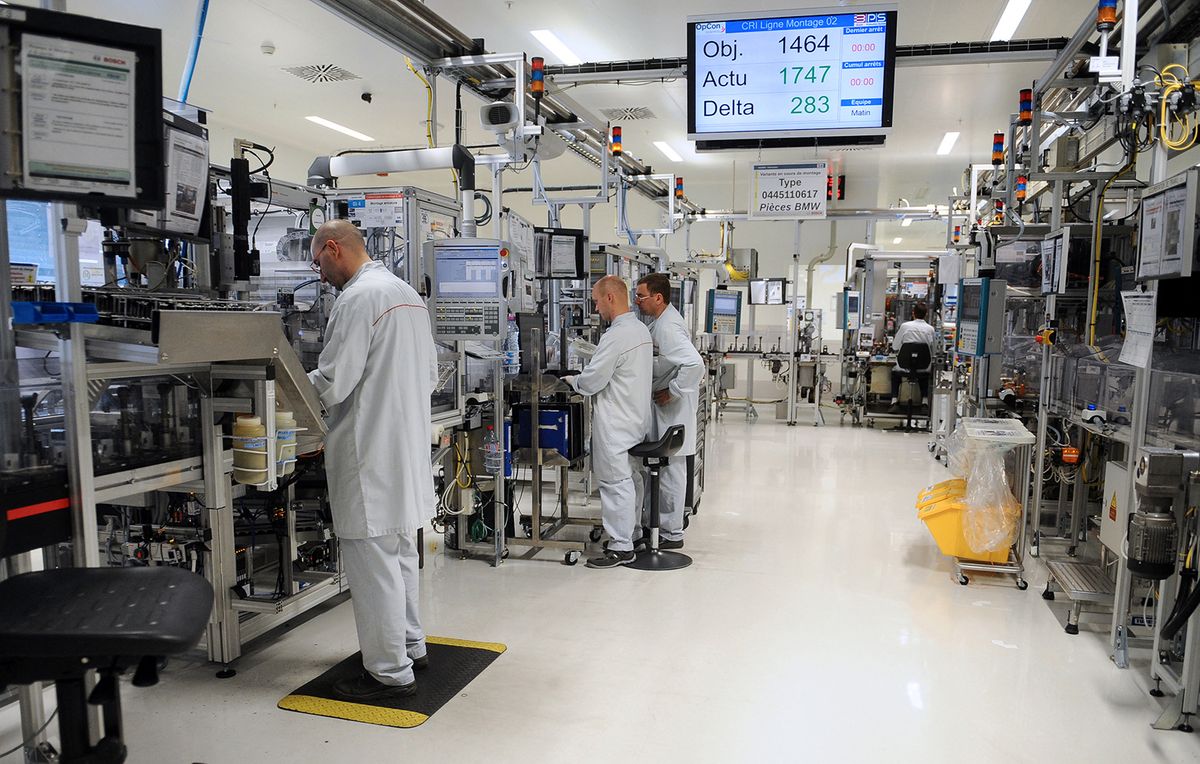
<point>912,358</point>
<point>55,625</point>
<point>655,454</point>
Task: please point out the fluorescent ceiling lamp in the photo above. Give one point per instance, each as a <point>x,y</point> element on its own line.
<point>947,144</point>
<point>341,129</point>
<point>1006,27</point>
<point>556,46</point>
<point>897,240</point>
<point>906,222</point>
<point>667,151</point>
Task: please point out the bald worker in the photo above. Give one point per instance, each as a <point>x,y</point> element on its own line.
<point>375,375</point>
<point>619,375</point>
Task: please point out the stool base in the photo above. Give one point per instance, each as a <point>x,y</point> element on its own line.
<point>660,560</point>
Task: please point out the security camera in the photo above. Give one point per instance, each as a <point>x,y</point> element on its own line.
<point>367,97</point>
<point>499,116</point>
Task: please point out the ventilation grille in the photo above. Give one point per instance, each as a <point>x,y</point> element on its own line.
<point>318,73</point>
<point>628,113</point>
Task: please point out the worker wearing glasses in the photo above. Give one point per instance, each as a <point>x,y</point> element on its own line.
<point>375,376</point>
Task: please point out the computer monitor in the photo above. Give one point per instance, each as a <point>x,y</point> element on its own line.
<point>466,298</point>
<point>724,312</point>
<point>560,253</point>
<point>88,112</point>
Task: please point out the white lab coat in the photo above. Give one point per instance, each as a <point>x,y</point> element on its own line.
<point>678,368</point>
<point>375,376</point>
<point>619,375</point>
<point>917,330</point>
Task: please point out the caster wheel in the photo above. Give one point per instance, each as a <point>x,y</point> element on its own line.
<point>1034,552</point>
<point>595,535</point>
<point>1048,595</point>
<point>1157,693</point>
<point>963,580</point>
<point>1071,551</point>
<point>504,554</point>
<point>1022,584</point>
<point>1072,628</point>
<point>571,558</point>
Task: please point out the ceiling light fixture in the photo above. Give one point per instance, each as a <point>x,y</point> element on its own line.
<point>947,144</point>
<point>341,129</point>
<point>906,222</point>
<point>668,151</point>
<point>556,46</point>
<point>1006,27</point>
<point>897,240</point>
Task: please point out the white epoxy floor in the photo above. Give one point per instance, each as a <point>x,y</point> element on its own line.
<point>818,624</point>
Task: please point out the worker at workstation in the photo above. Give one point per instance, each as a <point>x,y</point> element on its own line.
<point>619,376</point>
<point>915,330</point>
<point>678,369</point>
<point>375,376</point>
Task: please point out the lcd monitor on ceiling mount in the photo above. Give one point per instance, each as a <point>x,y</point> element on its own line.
<point>791,78</point>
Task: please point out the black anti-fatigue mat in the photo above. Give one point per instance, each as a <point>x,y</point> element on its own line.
<point>453,664</point>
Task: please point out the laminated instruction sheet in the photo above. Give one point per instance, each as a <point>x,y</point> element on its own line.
<point>77,105</point>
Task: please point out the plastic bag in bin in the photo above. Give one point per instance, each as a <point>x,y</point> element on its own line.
<point>992,512</point>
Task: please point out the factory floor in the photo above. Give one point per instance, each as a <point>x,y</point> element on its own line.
<point>819,623</point>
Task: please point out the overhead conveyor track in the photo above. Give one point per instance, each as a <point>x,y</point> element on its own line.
<point>412,28</point>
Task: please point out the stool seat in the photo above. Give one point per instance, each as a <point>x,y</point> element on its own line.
<point>102,612</point>
<point>668,445</point>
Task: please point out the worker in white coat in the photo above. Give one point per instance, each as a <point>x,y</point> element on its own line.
<point>678,370</point>
<point>619,377</point>
<point>375,376</point>
<point>917,330</point>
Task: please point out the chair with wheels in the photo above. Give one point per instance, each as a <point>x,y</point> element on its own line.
<point>914,359</point>
<point>655,454</point>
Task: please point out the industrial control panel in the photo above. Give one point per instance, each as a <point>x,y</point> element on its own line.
<point>466,296</point>
<point>980,328</point>
<point>724,314</point>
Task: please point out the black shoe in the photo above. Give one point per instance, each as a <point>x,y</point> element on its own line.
<point>895,409</point>
<point>365,687</point>
<point>668,544</point>
<point>420,664</point>
<point>611,559</point>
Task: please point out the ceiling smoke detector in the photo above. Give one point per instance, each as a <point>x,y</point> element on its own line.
<point>628,113</point>
<point>319,73</point>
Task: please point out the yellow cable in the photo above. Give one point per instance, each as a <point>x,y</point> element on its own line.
<point>429,114</point>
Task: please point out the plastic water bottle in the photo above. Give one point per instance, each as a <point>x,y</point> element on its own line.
<point>493,455</point>
<point>512,348</point>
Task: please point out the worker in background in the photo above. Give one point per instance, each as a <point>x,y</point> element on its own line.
<point>676,385</point>
<point>619,376</point>
<point>916,330</point>
<point>375,375</point>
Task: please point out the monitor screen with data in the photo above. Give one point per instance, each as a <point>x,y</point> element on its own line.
<point>791,75</point>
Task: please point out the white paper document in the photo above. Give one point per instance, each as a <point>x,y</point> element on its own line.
<point>1140,316</point>
<point>78,117</point>
<point>187,180</point>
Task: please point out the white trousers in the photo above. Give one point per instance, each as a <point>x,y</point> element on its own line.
<point>621,493</point>
<point>385,589</point>
<point>672,495</point>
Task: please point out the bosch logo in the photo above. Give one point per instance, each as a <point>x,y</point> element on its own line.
<point>711,26</point>
<point>867,19</point>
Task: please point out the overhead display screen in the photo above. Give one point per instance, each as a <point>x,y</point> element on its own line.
<point>791,76</point>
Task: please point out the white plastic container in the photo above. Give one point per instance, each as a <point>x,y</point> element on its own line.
<point>285,438</point>
<point>249,450</point>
